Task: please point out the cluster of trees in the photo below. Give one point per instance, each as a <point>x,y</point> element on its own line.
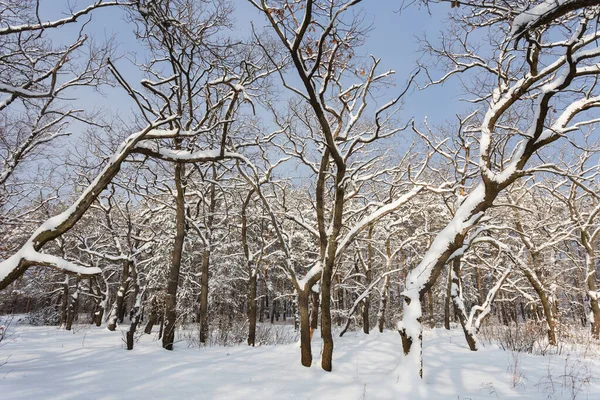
<point>186,213</point>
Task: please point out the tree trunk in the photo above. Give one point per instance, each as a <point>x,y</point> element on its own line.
<point>73,306</point>
<point>592,291</point>
<point>252,309</point>
<point>447,301</point>
<point>383,303</point>
<point>136,311</point>
<point>305,336</point>
<point>204,297</point>
<point>161,326</point>
<point>459,306</point>
<point>295,314</point>
<point>430,311</point>
<point>314,312</point>
<point>535,282</point>
<point>151,322</point>
<point>170,316</point>
<point>414,333</point>
<point>327,355</point>
<point>65,301</point>
<point>117,313</point>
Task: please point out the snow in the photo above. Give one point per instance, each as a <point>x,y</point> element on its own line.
<point>463,219</point>
<point>44,362</point>
<point>534,15</point>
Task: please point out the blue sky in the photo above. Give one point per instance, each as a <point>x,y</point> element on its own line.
<point>393,39</point>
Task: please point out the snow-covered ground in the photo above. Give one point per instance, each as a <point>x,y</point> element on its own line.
<point>47,363</point>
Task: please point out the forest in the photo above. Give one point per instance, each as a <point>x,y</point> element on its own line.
<point>269,187</point>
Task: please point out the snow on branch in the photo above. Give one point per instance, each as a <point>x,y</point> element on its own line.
<point>545,13</point>
<point>59,22</point>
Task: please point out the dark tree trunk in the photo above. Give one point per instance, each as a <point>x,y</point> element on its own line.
<point>447,301</point>
<point>117,314</point>
<point>305,336</point>
<point>327,355</point>
<point>73,306</point>
<point>65,301</point>
<point>273,305</point>
<point>252,310</point>
<point>136,310</point>
<point>431,308</point>
<point>314,312</point>
<point>170,316</point>
<point>204,297</point>
<point>295,315</point>
<point>161,326</point>
<point>151,322</point>
<point>262,309</point>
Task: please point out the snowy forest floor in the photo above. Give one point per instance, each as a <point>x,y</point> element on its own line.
<point>90,362</point>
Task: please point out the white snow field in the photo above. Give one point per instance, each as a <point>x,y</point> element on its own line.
<point>47,363</point>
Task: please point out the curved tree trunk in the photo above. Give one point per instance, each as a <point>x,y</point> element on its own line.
<point>459,306</point>
<point>547,305</point>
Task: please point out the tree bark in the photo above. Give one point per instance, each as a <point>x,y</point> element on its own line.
<point>73,306</point>
<point>459,306</point>
<point>305,336</point>
<point>314,312</point>
<point>252,310</point>
<point>204,297</point>
<point>65,301</point>
<point>117,313</point>
<point>170,316</point>
<point>448,299</point>
<point>136,311</point>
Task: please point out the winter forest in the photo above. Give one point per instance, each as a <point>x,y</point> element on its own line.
<point>244,199</point>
